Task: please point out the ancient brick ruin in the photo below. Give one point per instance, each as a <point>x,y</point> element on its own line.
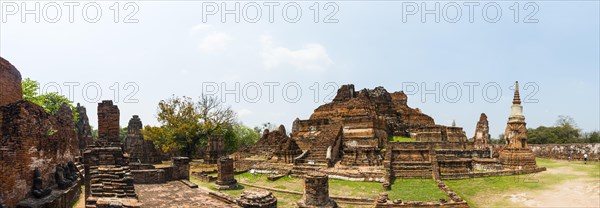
<point>316,191</point>
<point>10,83</point>
<point>33,146</point>
<point>225,179</point>
<point>516,153</point>
<point>108,179</point>
<point>481,139</point>
<point>215,149</point>
<point>257,199</point>
<point>84,130</point>
<point>37,150</point>
<point>140,150</point>
<point>349,139</point>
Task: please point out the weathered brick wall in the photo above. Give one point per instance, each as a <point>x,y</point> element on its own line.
<point>31,138</point>
<point>10,83</point>
<point>560,151</point>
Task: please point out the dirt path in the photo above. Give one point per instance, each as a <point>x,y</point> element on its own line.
<point>581,192</point>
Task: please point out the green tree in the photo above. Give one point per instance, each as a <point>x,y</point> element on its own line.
<point>30,89</point>
<point>244,137</point>
<point>592,137</point>
<point>51,102</point>
<point>185,124</point>
<point>123,134</point>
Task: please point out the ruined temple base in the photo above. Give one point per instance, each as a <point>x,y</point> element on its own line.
<point>227,186</point>
<point>517,158</point>
<point>58,198</point>
<point>330,204</point>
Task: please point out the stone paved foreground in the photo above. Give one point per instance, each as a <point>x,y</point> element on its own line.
<point>175,194</point>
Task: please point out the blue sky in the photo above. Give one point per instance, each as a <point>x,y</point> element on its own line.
<point>172,51</point>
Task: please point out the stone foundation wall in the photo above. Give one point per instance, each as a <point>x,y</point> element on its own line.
<point>150,176</point>
<point>561,151</point>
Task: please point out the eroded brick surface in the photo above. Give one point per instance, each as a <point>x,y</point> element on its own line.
<point>30,138</point>
<point>176,194</point>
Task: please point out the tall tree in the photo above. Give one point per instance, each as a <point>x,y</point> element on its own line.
<point>185,124</point>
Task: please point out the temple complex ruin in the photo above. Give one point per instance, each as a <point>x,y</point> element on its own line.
<point>365,135</point>
<point>351,138</point>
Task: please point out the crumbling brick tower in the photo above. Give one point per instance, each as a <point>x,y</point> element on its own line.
<point>108,179</point>
<point>481,139</point>
<point>516,153</point>
<point>139,149</point>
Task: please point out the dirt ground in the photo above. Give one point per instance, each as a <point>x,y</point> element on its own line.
<point>583,191</point>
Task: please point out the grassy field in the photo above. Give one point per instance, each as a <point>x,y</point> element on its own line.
<point>493,191</point>
<point>404,189</point>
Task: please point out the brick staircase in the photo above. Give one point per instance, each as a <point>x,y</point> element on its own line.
<point>412,169</point>
<point>408,166</point>
<point>317,155</point>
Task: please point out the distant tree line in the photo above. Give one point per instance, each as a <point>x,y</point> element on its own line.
<point>564,131</point>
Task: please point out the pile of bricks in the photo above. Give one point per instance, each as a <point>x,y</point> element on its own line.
<point>111,181</point>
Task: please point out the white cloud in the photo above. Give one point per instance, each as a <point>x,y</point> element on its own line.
<point>211,40</point>
<point>244,112</point>
<point>311,57</point>
<point>215,42</point>
<point>200,28</point>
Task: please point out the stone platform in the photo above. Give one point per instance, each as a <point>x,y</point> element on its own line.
<point>176,194</point>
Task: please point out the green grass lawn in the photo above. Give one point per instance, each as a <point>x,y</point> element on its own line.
<point>402,139</point>
<point>404,189</point>
<point>416,190</point>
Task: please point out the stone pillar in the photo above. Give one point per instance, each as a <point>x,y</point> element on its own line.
<point>181,168</point>
<point>225,179</point>
<point>316,191</point>
<point>257,199</point>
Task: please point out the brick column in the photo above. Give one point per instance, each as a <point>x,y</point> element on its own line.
<point>316,191</point>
